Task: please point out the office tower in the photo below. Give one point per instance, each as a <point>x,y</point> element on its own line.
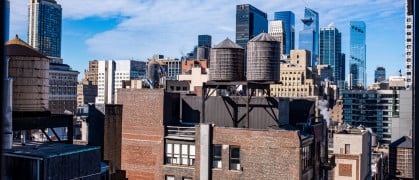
<point>204,40</point>
<point>44,31</point>
<point>357,55</point>
<point>309,36</point>
<point>7,21</point>
<point>276,30</point>
<point>204,46</point>
<point>409,42</point>
<point>250,22</point>
<point>331,51</point>
<point>288,21</point>
<point>380,74</point>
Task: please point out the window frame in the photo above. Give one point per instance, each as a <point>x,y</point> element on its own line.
<point>234,161</point>
<point>217,162</point>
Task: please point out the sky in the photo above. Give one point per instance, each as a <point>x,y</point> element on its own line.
<point>137,29</point>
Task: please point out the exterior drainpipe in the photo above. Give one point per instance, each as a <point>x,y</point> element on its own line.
<point>7,107</point>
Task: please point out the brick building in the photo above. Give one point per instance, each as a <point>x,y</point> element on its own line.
<point>157,145</point>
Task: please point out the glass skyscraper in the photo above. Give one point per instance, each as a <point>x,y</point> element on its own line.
<point>204,40</point>
<point>309,36</point>
<point>250,22</point>
<point>331,52</point>
<point>44,31</point>
<point>288,21</point>
<point>357,54</point>
<point>380,74</point>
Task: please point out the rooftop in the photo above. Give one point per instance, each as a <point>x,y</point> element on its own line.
<point>227,44</point>
<point>17,47</point>
<point>46,150</point>
<point>403,142</point>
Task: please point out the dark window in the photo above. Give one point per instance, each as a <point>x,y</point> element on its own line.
<point>234,157</point>
<point>216,159</point>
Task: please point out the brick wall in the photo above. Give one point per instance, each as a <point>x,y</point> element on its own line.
<point>266,154</point>
<point>112,136</point>
<point>142,133</point>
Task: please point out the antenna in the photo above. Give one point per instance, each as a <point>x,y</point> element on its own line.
<point>305,2</point>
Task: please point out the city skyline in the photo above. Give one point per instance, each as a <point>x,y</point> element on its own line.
<point>130,29</point>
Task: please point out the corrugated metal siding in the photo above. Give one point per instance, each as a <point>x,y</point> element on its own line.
<point>265,112</point>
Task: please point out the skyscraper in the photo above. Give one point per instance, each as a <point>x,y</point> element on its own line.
<point>276,30</point>
<point>309,36</point>
<point>331,52</point>
<point>44,31</point>
<point>409,43</point>
<point>288,21</point>
<point>380,74</point>
<point>204,40</point>
<point>357,54</point>
<point>204,46</point>
<point>250,22</point>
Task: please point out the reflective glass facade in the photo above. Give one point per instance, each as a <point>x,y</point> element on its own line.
<point>250,22</point>
<point>204,40</point>
<point>380,74</point>
<point>44,31</point>
<point>288,20</point>
<point>331,52</point>
<point>309,36</point>
<point>357,54</point>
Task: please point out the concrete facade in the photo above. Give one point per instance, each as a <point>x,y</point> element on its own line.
<point>352,150</point>
<point>196,78</point>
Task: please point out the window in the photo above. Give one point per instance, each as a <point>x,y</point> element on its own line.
<point>234,157</point>
<point>306,157</point>
<point>186,178</point>
<point>216,159</point>
<point>180,154</point>
<point>169,177</point>
<point>347,148</point>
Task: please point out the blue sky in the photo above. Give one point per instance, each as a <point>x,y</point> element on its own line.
<point>137,29</point>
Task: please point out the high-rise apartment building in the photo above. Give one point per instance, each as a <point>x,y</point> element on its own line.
<point>409,43</point>
<point>250,22</point>
<point>331,52</point>
<point>309,36</point>
<point>276,30</point>
<point>111,75</point>
<point>357,55</point>
<point>379,74</point>
<point>44,31</point>
<point>288,22</point>
<point>385,111</point>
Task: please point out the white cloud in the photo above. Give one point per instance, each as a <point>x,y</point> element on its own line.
<point>171,27</point>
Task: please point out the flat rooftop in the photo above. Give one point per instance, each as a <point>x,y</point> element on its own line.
<point>46,150</point>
